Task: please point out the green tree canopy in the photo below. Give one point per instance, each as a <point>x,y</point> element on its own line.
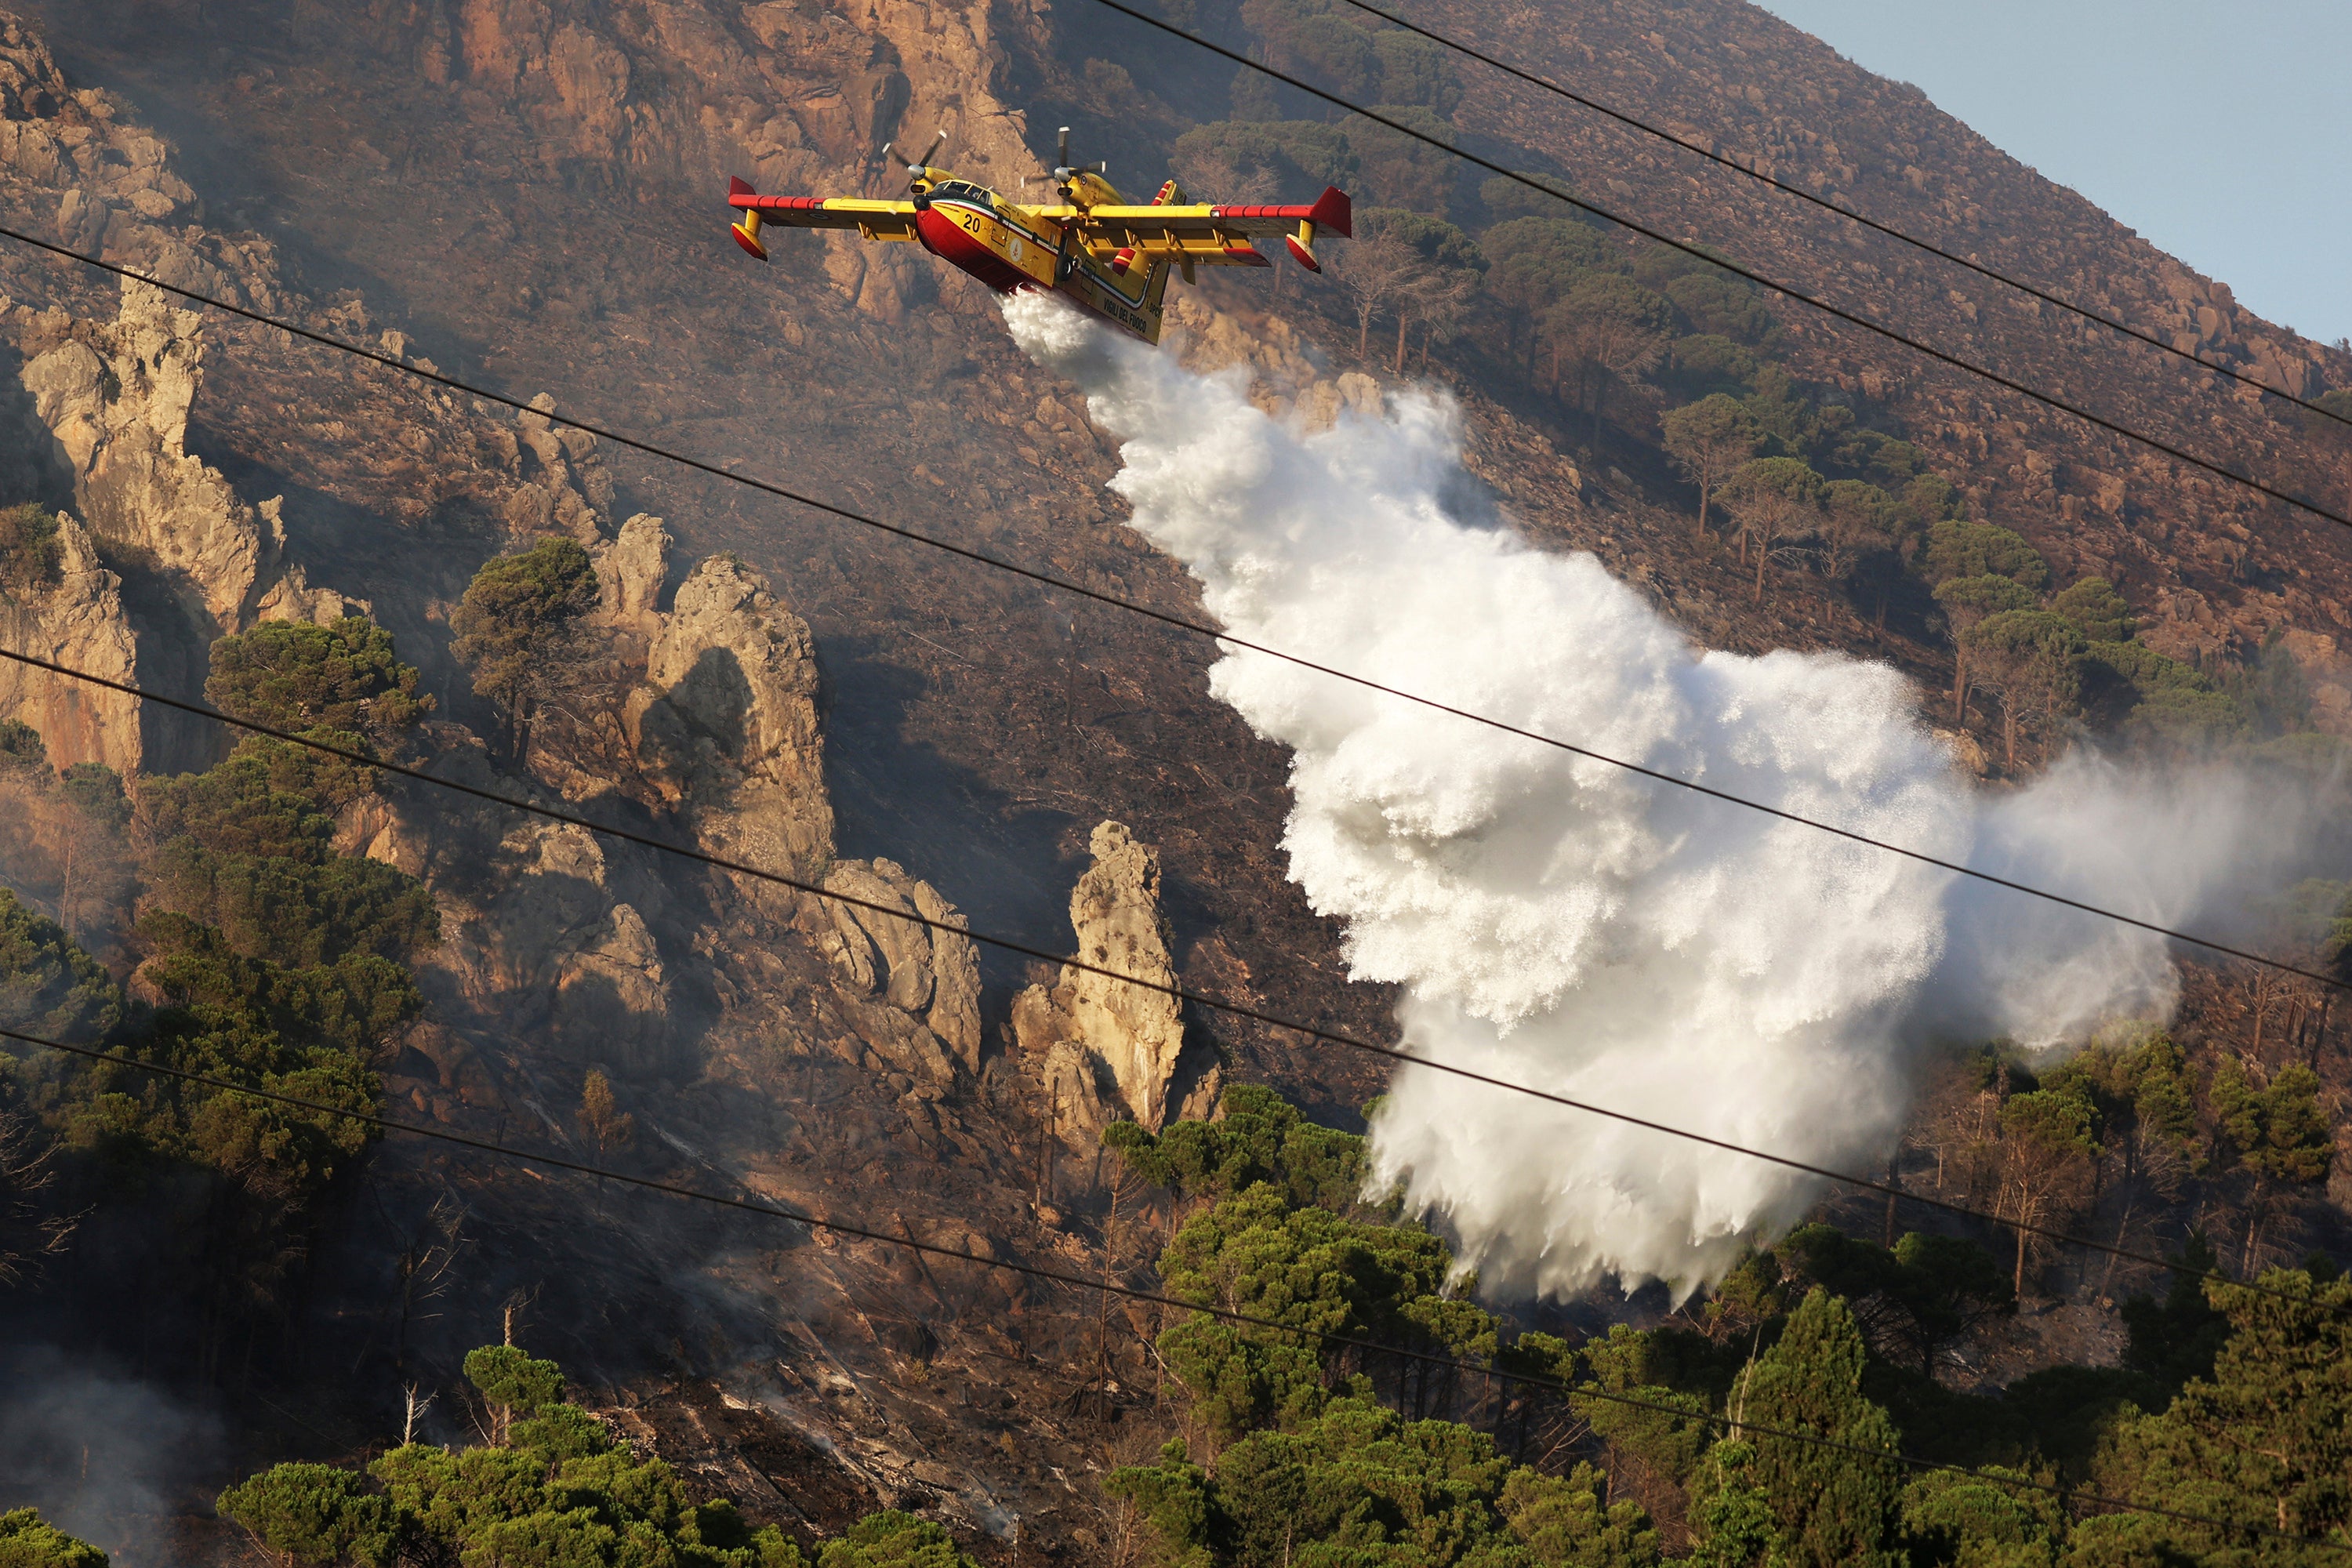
<point>22,751</point>
<point>313,1513</point>
<point>1354,55</point>
<point>509,1377</point>
<point>1259,1137</point>
<point>1437,242</point>
<point>557,1492</point>
<point>1359,1484</point>
<point>1913,1299</point>
<point>95,791</point>
<point>27,1540</point>
<point>2174,1338</point>
<point>1705,364</point>
<point>293,674</point>
<point>48,985</point>
<point>1798,1502</point>
<point>2277,1131</point>
<point>2096,610</point>
<point>1709,441</point>
<point>2264,1440</point>
<point>1957,548</point>
<point>1716,304</point>
<point>894,1540</point>
<point>30,557</point>
<point>353,1004</point>
<point>515,614</point>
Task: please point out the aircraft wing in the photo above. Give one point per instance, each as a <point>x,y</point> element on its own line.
<point>874,220</point>
<point>1207,234</point>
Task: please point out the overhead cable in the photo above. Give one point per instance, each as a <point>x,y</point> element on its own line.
<point>1889,230</point>
<point>1166,988</point>
<point>1152,1297</point>
<point>1165,617</point>
<point>1985,373</point>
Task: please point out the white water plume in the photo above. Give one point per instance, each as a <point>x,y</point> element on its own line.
<point>1557,921</point>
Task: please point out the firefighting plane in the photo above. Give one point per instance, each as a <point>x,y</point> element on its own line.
<point>1110,256</point>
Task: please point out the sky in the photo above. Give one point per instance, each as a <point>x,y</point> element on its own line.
<point>2215,127</point>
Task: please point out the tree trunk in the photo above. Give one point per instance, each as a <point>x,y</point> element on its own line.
<point>1363,335</point>
<point>1400,353</point>
<point>1706,488</point>
<point>1763,555</point>
<point>2017,1286</point>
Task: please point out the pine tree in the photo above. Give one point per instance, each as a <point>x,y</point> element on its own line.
<point>1827,1509</point>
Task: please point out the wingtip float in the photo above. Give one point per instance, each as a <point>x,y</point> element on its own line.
<point>1112,257</point>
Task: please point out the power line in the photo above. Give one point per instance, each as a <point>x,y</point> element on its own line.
<point>1178,992</point>
<point>1165,617</point>
<point>1737,167</point>
<point>1152,1298</point>
<point>2219,470</point>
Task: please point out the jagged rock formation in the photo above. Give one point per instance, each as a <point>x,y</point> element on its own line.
<point>76,622</point>
<point>115,401</point>
<point>631,570</point>
<point>565,486</point>
<point>1106,1047</point>
<point>919,969</point>
<point>726,724</point>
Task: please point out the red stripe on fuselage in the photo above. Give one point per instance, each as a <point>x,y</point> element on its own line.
<point>944,237</point>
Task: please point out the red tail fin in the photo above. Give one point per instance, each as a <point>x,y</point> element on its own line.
<point>1333,211</point>
<point>736,187</point>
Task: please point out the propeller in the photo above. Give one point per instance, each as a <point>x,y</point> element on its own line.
<point>1063,170</point>
<point>917,167</point>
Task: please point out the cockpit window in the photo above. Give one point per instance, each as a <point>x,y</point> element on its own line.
<point>960,191</point>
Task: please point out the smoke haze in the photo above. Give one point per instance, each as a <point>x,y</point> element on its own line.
<point>1559,922</point>
<point>104,1457</point>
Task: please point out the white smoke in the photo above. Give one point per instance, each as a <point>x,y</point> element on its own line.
<point>1557,921</point>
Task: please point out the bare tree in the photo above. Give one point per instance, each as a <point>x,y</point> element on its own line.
<point>1440,310</point>
<point>422,1266</point>
<point>1378,274</point>
<point>2047,1153</point>
<point>29,1232</point>
<point>1774,500</point>
<point>1709,441</point>
<point>1849,526</point>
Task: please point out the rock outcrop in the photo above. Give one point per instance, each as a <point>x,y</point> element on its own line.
<point>726,725</point>
<point>630,571</point>
<point>921,970</point>
<point>114,403</point>
<point>78,622</point>
<point>542,930</point>
<point>1103,1045</point>
<point>565,486</point>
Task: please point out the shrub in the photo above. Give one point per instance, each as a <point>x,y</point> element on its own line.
<point>296,676</point>
<point>29,555</point>
<point>22,750</point>
<point>48,983</point>
<point>27,1540</point>
<point>515,613</point>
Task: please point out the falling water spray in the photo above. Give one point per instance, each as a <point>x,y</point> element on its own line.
<point>1559,922</point>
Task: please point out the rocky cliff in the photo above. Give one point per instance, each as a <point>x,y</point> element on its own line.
<point>524,191</point>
